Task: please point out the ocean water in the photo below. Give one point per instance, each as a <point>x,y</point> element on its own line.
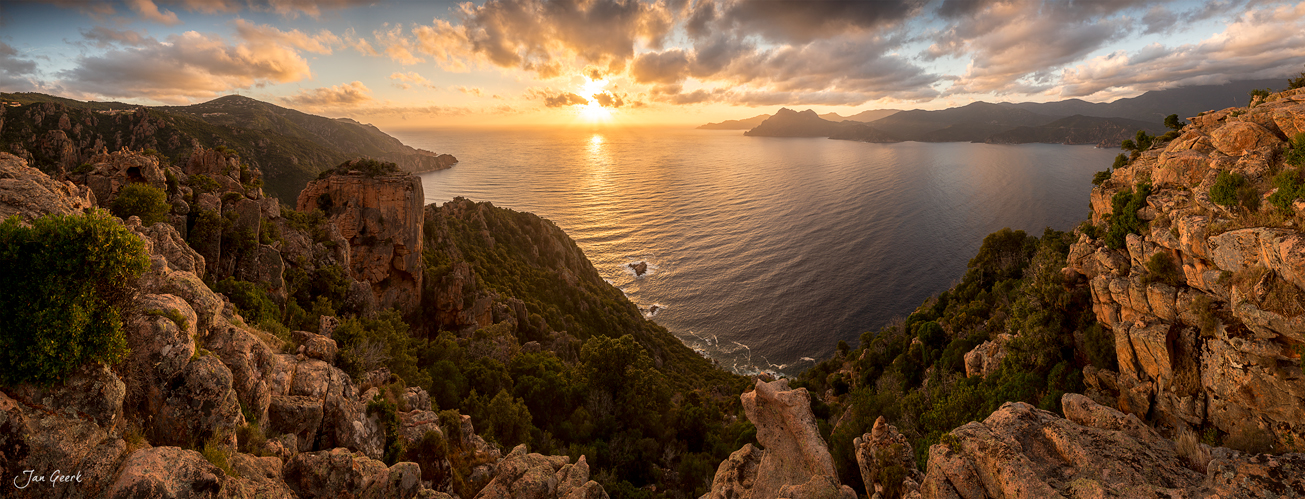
<point>764,252</point>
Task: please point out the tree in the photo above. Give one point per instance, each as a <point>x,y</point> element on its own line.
<point>1173,123</point>
<point>1297,82</point>
<point>63,282</point>
<point>142,200</point>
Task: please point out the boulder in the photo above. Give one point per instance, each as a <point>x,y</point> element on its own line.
<point>338,473</point>
<point>1238,137</point>
<point>986,358</point>
<point>165,473</point>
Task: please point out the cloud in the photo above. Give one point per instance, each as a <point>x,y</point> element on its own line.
<point>345,95</point>
<point>103,37</point>
<point>670,66</point>
<point>800,21</point>
<point>149,11</point>
<point>1263,43</point>
<point>185,66</point>
<point>555,98</point>
<point>411,77</point>
<point>609,99</point>
<point>470,91</point>
<point>1014,46</point>
<point>396,45</point>
<point>321,43</point>
<point>541,35</point>
<point>15,73</point>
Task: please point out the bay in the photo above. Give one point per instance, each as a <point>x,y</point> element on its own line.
<point>764,252</point>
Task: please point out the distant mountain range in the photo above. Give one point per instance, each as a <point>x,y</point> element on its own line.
<point>290,147</point>
<point>1064,122</point>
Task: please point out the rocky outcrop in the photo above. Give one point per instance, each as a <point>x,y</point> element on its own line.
<point>986,358</point>
<point>28,193</point>
<point>789,123</point>
<point>794,460</point>
<point>1095,451</point>
<point>340,473</point>
<point>111,171</point>
<point>524,475</point>
<point>1217,342</point>
<point>381,218</point>
<point>887,462</point>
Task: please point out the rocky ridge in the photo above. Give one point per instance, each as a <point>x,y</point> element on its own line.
<point>166,421</point>
<point>1217,343</point>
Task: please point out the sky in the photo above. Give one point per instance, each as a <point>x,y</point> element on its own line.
<point>635,62</point>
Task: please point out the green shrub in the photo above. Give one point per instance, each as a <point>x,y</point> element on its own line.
<point>202,183</point>
<point>218,453</point>
<point>389,420</point>
<point>142,200</point>
<point>1297,82</point>
<point>1262,93</point>
<point>251,301</point>
<point>1100,345</point>
<point>1101,177</point>
<point>1162,268</point>
<point>171,314</point>
<point>367,166</point>
<point>1232,189</point>
<point>63,281</point>
<point>1121,160</point>
<point>1123,217</point>
<point>1172,122</point>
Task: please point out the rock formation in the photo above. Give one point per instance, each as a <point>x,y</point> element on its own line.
<point>381,218</point>
<point>1217,341</point>
<point>1095,451</point>
<point>196,376</point>
<point>793,461</point>
<point>887,462</point>
<point>523,475</point>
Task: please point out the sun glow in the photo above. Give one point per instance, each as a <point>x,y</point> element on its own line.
<point>592,111</point>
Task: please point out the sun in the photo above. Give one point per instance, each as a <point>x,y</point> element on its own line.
<point>592,111</point>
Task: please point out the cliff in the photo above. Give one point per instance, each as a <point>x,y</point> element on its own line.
<point>380,218</point>
<point>289,148</point>
<point>1204,299</point>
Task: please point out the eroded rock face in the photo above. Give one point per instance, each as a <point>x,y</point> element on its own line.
<point>111,171</point>
<point>986,358</point>
<point>29,193</point>
<point>1020,451</point>
<point>381,217</point>
<point>795,458</point>
<point>1218,345</point>
<point>339,473</point>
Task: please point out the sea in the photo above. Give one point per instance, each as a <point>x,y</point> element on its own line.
<point>762,253</point>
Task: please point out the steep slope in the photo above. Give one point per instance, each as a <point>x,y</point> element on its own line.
<point>1153,106</point>
<point>1194,254</point>
<point>743,124</point>
<point>967,123</point>
<point>1078,129</point>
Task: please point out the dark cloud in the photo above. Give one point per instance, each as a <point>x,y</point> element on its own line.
<point>345,95</point>
<point>189,65</point>
<point>15,73</point>
<point>558,98</point>
<point>953,9</point>
<point>538,35</point>
<point>660,67</point>
<point>609,99</point>
<point>801,21</point>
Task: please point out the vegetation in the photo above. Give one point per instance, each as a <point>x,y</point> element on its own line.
<point>366,166</point>
<point>1262,93</point>
<point>1172,122</point>
<point>141,200</point>
<point>1141,142</point>
<point>1231,189</point>
<point>1297,82</point>
<point>63,282</point>
<point>1013,285</point>
<point>1291,181</point>
<point>1162,268</point>
<point>1123,216</point>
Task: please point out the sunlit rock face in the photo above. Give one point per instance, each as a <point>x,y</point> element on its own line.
<point>381,218</point>
<point>1218,345</point>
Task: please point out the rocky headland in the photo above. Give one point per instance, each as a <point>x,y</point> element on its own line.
<point>364,345</point>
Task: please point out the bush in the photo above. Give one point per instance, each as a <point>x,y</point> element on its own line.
<point>367,166</point>
<point>1232,189</point>
<point>252,302</point>
<point>1260,92</point>
<point>1162,268</point>
<point>1297,82</point>
<point>1101,177</point>
<point>142,200</point>
<point>1173,123</point>
<point>63,281</point>
<point>1123,218</point>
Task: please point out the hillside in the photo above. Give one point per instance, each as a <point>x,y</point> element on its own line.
<point>1077,129</point>
<point>789,123</point>
<point>743,124</point>
<point>288,147</point>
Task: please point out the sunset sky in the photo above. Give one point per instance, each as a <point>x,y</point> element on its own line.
<point>635,62</point>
